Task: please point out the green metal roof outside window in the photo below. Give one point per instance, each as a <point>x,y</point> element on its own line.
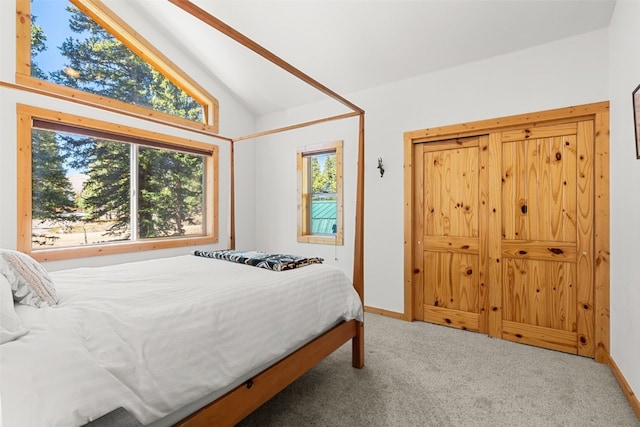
<point>324,216</point>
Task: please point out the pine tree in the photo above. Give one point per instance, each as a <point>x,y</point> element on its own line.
<point>329,174</point>
<point>106,192</point>
<point>38,45</point>
<point>170,192</point>
<point>317,185</point>
<point>52,197</point>
<point>52,193</point>
<point>170,183</point>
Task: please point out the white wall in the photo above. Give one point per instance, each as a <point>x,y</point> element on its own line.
<point>276,181</point>
<point>593,67</point>
<point>624,77</point>
<point>235,120</point>
<point>569,72</point>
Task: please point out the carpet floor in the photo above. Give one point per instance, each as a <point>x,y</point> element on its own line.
<point>420,374</point>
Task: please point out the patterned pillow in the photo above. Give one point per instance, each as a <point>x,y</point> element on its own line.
<point>30,282</point>
<point>10,326</point>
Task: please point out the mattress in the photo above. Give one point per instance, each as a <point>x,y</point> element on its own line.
<point>153,337</point>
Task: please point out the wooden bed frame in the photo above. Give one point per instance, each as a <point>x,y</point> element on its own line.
<point>240,402</point>
<point>244,399</point>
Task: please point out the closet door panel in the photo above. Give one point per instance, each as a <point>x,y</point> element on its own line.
<point>448,233</point>
<point>546,232</point>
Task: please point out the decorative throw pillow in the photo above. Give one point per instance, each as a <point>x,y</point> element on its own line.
<point>10,326</point>
<point>30,282</point>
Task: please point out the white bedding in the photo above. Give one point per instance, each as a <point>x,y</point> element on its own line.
<point>153,336</point>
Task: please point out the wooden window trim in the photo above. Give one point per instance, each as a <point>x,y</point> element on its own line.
<point>128,138</point>
<point>26,115</point>
<point>303,213</point>
<point>134,41</point>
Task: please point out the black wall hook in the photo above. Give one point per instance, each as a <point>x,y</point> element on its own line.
<point>380,166</point>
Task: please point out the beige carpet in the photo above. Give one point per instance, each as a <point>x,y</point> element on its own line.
<point>419,374</point>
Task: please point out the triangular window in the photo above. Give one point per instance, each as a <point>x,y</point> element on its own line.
<point>85,47</point>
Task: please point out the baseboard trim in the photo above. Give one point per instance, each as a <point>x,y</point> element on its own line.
<point>624,385</point>
<point>383,312</point>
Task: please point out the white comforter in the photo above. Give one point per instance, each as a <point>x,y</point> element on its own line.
<point>152,336</point>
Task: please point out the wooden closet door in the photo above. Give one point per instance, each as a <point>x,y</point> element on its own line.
<point>450,232</point>
<point>543,257</point>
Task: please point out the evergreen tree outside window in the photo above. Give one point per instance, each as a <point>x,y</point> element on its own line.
<point>94,189</point>
<point>170,193</point>
<point>166,199</point>
<point>320,194</point>
<point>92,60</point>
<point>83,50</point>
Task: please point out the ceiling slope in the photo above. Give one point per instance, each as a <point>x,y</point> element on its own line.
<point>351,45</point>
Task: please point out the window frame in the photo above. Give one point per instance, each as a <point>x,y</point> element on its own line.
<point>25,117</point>
<point>101,14</point>
<point>304,191</point>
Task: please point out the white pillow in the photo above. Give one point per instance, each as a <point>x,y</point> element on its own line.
<point>30,282</point>
<point>10,327</point>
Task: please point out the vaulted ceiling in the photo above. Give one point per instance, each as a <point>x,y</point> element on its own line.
<point>351,45</point>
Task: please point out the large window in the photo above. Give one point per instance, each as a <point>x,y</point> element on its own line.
<point>94,187</point>
<point>320,193</point>
<point>81,49</point>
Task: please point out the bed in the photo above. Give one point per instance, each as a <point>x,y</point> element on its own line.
<point>187,340</point>
<point>120,345</point>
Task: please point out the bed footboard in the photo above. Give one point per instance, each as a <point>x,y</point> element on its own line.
<point>231,408</point>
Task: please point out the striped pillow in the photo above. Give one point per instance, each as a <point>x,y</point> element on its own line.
<point>30,282</point>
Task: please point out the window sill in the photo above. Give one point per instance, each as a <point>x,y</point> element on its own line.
<point>58,254</point>
<point>324,240</point>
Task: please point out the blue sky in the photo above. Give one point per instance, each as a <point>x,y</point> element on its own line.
<point>54,20</point>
